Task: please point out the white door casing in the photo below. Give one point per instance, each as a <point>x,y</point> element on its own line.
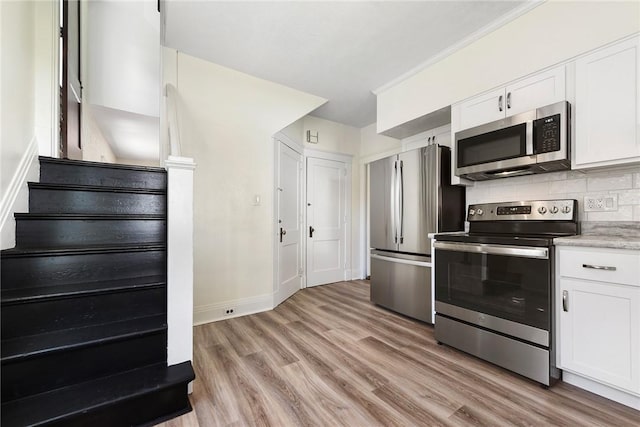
<point>289,222</point>
<point>326,221</point>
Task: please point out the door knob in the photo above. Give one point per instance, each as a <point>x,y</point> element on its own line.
<point>282,233</point>
<point>311,230</point>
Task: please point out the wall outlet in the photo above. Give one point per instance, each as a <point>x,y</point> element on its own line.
<point>228,312</point>
<point>605,203</point>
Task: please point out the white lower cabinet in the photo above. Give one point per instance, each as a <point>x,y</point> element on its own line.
<point>598,319</point>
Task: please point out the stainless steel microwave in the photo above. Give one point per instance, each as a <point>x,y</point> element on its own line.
<point>536,141</point>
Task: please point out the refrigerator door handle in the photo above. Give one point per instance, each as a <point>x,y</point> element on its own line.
<point>401,196</point>
<point>394,203</point>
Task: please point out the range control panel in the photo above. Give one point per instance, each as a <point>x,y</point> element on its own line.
<point>532,210</point>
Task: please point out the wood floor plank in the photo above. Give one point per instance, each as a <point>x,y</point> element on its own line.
<point>329,357</point>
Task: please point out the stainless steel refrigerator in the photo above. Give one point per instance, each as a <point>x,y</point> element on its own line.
<point>410,197</point>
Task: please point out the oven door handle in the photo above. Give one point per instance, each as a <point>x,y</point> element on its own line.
<point>479,248</point>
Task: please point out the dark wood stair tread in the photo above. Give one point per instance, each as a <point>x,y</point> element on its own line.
<point>94,188</point>
<point>103,249</point>
<point>141,168</point>
<point>26,294</point>
<point>16,349</point>
<point>96,217</point>
<point>56,405</point>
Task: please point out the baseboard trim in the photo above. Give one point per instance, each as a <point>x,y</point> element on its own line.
<point>602,390</point>
<point>18,183</point>
<point>241,307</point>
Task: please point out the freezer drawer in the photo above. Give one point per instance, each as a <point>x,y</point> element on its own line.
<point>402,284</point>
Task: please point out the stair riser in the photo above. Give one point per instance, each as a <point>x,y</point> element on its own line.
<point>57,370</point>
<point>52,173</point>
<point>157,406</point>
<point>44,200</point>
<point>53,315</point>
<point>78,268</point>
<point>47,233</point>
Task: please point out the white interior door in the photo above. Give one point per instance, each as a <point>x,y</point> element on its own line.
<point>326,221</point>
<point>289,217</point>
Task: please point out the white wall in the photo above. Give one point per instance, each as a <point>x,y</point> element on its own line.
<point>122,67</point>
<point>226,121</point>
<point>621,182</point>
<point>18,142</point>
<point>551,33</point>
<point>95,147</point>
<point>295,131</point>
<point>18,85</point>
<point>374,145</point>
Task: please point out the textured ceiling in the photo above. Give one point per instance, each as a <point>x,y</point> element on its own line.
<point>338,50</point>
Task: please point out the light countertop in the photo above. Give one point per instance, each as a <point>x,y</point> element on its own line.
<point>615,235</point>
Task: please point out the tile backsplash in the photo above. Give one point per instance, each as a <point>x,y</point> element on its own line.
<point>621,182</point>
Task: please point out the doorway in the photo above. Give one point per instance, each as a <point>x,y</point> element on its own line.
<point>328,220</point>
<point>289,185</point>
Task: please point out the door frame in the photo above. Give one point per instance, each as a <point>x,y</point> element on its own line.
<point>278,138</point>
<point>347,160</point>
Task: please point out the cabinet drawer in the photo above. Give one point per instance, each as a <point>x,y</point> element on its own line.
<point>605,265</point>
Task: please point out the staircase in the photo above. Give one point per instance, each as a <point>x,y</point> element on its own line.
<point>84,301</point>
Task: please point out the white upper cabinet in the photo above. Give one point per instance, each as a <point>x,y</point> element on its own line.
<point>440,135</point>
<point>535,91</point>
<point>481,109</point>
<point>606,113</point>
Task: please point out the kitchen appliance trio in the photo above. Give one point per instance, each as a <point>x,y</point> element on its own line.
<point>492,289</point>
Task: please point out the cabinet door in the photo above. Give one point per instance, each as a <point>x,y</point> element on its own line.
<point>600,332</point>
<point>606,111</point>
<point>481,109</point>
<point>536,91</point>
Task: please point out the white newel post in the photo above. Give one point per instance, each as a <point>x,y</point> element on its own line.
<point>180,259</point>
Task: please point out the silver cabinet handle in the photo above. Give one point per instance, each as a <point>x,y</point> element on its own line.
<point>565,300</point>
<point>500,103</point>
<point>509,100</point>
<point>599,267</point>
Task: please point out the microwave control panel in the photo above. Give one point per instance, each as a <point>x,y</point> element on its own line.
<point>546,134</point>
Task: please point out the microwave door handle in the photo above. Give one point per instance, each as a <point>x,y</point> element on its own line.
<point>529,137</point>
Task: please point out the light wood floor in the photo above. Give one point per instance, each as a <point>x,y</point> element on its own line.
<point>328,357</point>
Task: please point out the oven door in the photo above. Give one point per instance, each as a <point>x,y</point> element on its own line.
<point>504,282</point>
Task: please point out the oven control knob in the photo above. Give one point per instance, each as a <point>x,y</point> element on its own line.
<point>554,209</point>
<point>472,212</point>
<point>566,209</point>
<point>542,210</point>
<point>479,212</point>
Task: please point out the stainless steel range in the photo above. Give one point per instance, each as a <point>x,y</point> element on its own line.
<point>494,285</point>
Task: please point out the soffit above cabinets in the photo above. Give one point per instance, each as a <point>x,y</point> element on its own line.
<point>429,121</point>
